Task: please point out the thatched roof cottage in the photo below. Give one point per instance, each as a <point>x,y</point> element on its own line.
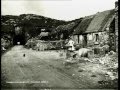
<point>98,29</point>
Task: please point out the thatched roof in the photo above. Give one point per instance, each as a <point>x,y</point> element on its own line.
<point>69,27</point>
<point>62,28</point>
<point>66,27</point>
<point>83,24</point>
<point>95,23</point>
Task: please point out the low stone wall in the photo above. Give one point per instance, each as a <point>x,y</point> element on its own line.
<point>41,45</point>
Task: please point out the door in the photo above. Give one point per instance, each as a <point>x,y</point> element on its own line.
<point>85,40</point>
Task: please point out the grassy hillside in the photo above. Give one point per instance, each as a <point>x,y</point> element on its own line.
<point>29,21</point>
<point>32,24</point>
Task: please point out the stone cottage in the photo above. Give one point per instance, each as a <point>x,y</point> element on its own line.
<point>98,29</point>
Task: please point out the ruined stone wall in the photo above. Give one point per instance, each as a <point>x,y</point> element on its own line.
<point>99,44</point>
<point>112,41</point>
<point>103,39</point>
<point>116,29</point>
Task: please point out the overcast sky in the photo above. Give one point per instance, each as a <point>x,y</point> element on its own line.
<point>58,9</point>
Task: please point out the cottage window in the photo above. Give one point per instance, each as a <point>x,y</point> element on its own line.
<point>85,40</point>
<point>97,37</point>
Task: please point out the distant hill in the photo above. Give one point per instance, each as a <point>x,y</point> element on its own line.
<point>8,22</point>
<point>33,24</point>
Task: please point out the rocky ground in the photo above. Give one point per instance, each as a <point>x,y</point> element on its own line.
<point>25,69</point>
<point>104,67</point>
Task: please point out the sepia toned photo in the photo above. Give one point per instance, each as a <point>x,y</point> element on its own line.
<point>59,44</point>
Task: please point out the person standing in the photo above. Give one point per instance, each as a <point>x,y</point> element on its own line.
<point>71,47</point>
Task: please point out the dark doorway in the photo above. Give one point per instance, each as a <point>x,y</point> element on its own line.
<point>19,39</point>
<point>85,40</point>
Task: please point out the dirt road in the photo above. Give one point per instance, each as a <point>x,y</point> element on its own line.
<point>35,70</point>
<point>29,69</point>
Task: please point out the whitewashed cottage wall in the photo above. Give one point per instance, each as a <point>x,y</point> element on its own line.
<point>80,39</point>
<point>75,38</point>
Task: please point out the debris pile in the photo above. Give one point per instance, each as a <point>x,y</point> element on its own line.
<point>110,60</point>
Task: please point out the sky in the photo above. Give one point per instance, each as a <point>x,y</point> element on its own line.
<point>57,9</point>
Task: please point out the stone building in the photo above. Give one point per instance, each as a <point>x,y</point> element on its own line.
<point>98,29</point>
<point>44,34</point>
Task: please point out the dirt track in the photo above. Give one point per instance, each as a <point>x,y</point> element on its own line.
<point>36,69</point>
<point>45,69</point>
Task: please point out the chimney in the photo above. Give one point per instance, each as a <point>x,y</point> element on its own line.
<point>116,4</point>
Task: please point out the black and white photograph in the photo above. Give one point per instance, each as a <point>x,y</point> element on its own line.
<point>59,44</point>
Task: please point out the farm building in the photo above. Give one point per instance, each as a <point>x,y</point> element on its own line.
<point>44,35</point>
<point>99,29</point>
